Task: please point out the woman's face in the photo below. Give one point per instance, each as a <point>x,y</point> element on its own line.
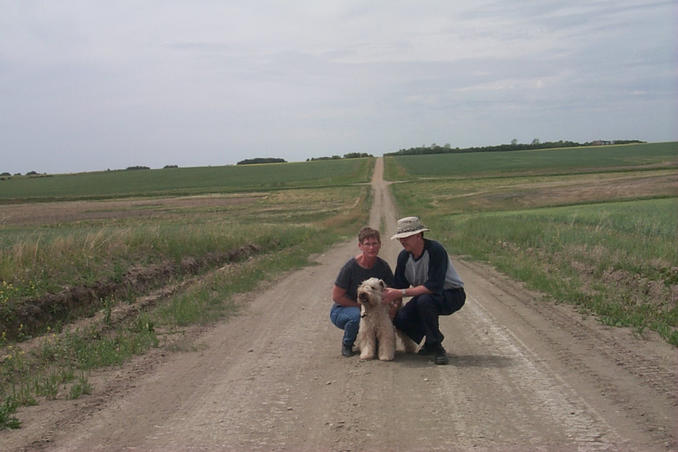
<point>370,247</point>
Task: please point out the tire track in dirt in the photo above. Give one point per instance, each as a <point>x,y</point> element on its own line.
<point>547,397</point>
<point>631,380</point>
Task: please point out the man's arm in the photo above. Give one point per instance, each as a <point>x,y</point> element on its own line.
<point>399,279</point>
<point>391,294</point>
<point>401,283</point>
<point>437,267</point>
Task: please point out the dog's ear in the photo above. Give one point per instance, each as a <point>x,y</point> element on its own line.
<point>382,284</point>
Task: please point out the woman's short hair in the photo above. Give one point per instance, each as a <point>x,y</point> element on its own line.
<point>367,232</point>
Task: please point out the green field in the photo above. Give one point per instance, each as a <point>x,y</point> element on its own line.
<point>546,161</point>
<point>185,181</point>
<point>91,246</point>
<point>47,246</point>
<point>595,227</point>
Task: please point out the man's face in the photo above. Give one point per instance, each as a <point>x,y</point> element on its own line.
<point>409,243</point>
<point>370,246</point>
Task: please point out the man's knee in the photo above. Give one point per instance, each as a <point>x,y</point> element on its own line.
<point>454,300</point>
<point>426,305</point>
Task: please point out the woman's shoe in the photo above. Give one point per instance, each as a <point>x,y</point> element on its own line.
<point>346,350</point>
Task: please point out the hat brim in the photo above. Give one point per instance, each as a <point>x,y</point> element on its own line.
<point>402,235</point>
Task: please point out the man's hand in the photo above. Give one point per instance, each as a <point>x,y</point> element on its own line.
<point>391,294</point>
<point>394,306</point>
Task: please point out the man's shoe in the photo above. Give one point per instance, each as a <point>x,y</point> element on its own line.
<point>440,356</point>
<point>346,350</point>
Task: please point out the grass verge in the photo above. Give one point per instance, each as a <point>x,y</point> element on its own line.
<point>58,367</point>
<point>616,260</point>
<point>57,364</point>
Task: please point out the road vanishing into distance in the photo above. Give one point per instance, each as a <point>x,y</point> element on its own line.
<point>524,374</point>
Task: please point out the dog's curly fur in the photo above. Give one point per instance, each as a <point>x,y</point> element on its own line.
<point>376,335</point>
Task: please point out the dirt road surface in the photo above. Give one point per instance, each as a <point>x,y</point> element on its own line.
<point>524,374</point>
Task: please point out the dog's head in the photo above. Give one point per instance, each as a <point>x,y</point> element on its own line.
<point>370,291</point>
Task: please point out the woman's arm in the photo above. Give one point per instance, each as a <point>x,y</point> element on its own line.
<point>339,296</point>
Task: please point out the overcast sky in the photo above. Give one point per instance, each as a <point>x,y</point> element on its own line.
<point>92,85</point>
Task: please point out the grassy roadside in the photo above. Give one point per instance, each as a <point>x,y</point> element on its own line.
<point>58,366</point>
<point>285,226</point>
<point>615,260</point>
<point>604,242</point>
<point>40,259</point>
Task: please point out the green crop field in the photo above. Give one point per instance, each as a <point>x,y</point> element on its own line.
<point>185,181</point>
<point>76,247</point>
<point>595,227</point>
<point>546,161</point>
<point>100,226</point>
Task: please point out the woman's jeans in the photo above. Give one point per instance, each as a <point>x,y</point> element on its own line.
<point>348,319</point>
<point>418,318</point>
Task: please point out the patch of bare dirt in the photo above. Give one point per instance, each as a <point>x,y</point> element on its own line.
<point>71,211</point>
<point>523,375</point>
<point>580,189</point>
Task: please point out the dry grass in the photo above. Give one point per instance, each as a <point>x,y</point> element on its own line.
<point>81,244</point>
<point>73,211</point>
<point>454,196</point>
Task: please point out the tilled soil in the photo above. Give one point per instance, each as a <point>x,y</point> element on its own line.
<point>524,374</point>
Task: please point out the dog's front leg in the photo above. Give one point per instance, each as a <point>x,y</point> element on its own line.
<point>387,345</point>
<point>368,347</point>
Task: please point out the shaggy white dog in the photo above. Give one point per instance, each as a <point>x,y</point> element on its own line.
<point>376,334</point>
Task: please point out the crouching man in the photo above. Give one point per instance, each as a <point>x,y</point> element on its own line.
<point>424,272</point>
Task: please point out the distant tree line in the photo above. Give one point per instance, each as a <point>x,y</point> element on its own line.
<point>513,146</point>
<point>138,167</point>
<point>261,160</point>
<point>5,175</point>
<point>350,155</point>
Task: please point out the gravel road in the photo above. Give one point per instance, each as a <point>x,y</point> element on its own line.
<point>524,374</point>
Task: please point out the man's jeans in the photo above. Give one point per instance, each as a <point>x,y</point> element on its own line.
<point>348,319</point>
<point>418,318</point>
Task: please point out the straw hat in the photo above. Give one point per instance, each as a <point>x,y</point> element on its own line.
<point>409,226</point>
